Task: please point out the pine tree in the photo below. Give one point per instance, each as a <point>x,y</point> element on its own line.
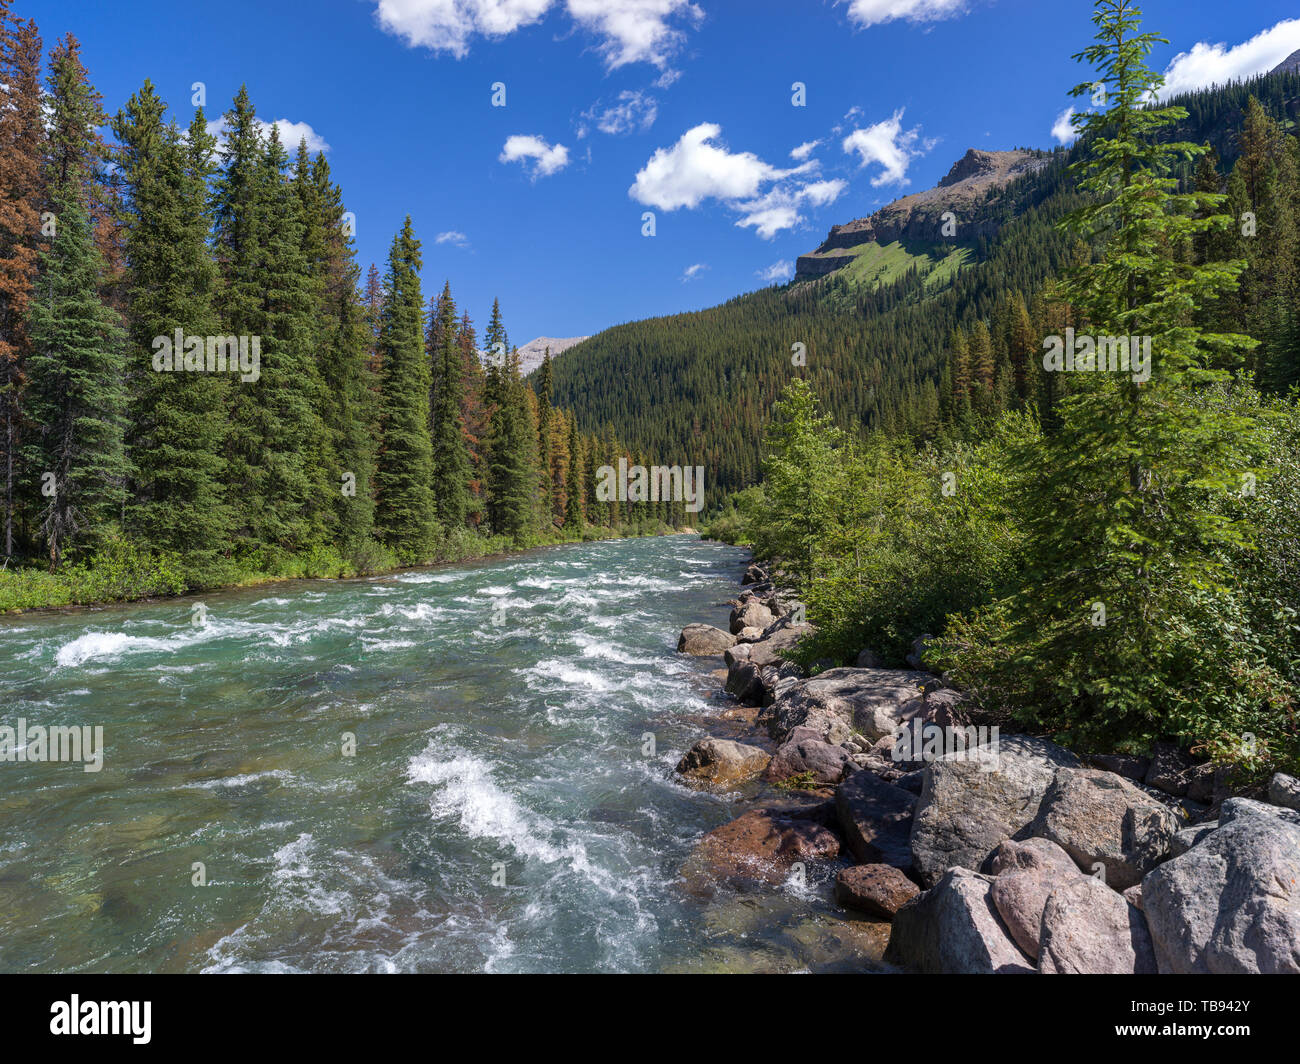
<point>575,501</point>
<point>178,419</point>
<point>21,137</point>
<point>405,517</point>
<point>451,466</point>
<point>76,393</point>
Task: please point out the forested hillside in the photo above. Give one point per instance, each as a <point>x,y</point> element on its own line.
<point>701,385</point>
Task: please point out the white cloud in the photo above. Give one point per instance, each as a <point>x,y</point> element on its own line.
<point>804,150</point>
<point>887,144</point>
<point>1217,64</point>
<point>547,159</point>
<point>873,12</point>
<point>291,133</point>
<point>696,168</point>
<point>782,270</point>
<point>1063,127</point>
<point>631,31</point>
<point>692,272</point>
<point>633,111</point>
<point>452,237</point>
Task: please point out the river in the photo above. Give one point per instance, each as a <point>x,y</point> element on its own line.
<point>459,769</point>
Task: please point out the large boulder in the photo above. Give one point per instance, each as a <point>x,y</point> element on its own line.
<point>755,574</point>
<point>779,636</point>
<point>878,889</point>
<point>1284,790</point>
<point>970,803</point>
<point>1088,929</point>
<point>844,700</point>
<point>953,929</point>
<point>876,820</point>
<point>745,681</point>
<point>722,761</point>
<point>1098,817</point>
<point>819,760</point>
<point>750,614</point>
<point>1230,904</point>
<point>1027,873</point>
<point>703,639</point>
<point>1239,808</point>
<point>760,847</point>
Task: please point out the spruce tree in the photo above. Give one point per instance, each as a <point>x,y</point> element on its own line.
<point>451,468</point>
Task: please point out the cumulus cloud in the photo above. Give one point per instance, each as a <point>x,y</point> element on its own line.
<point>887,145</point>
<point>632,111</point>
<point>630,31</point>
<point>547,158</point>
<point>291,133</point>
<point>452,237</point>
<point>1063,127</point>
<point>873,12</point>
<point>1218,64</point>
<point>782,270</point>
<point>691,272</point>
<point>804,150</point>
<point>697,168</point>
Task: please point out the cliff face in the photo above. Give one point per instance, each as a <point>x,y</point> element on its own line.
<point>532,353</point>
<point>965,191</point>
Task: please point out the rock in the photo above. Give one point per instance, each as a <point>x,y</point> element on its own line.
<point>722,761</point>
<point>1088,929</point>
<point>760,846</point>
<point>749,635</point>
<point>782,635</point>
<point>1207,783</point>
<point>1185,838</point>
<point>841,700</point>
<point>1027,873</point>
<point>1239,808</point>
<point>1231,904</point>
<point>969,805</point>
<point>755,574</point>
<point>750,614</point>
<point>1130,766</point>
<point>942,706</point>
<point>916,656</point>
<point>1168,770</point>
<point>824,762</point>
<point>1134,896</point>
<point>867,660</point>
<point>701,639</point>
<point>745,681</point>
<point>876,819</point>
<point>1284,790</point>
<point>953,929</point>
<point>1099,817</point>
<point>740,652</point>
<point>778,679</point>
<point>878,889</point>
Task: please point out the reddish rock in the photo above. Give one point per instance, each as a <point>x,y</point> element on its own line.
<point>761,846</point>
<point>878,889</point>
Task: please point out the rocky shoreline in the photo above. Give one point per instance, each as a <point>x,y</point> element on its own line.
<point>989,853</point>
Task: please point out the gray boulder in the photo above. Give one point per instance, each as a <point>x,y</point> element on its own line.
<point>1185,838</point>
<point>1284,790</point>
<point>953,929</point>
<point>875,819</point>
<point>1099,817</point>
<point>1231,904</point>
<point>722,761</point>
<point>822,761</point>
<point>1027,873</point>
<point>750,614</point>
<point>703,639</point>
<point>1088,929</point>
<point>970,804</point>
<point>1241,808</point>
<point>865,700</point>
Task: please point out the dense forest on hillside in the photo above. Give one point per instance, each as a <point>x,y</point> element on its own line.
<point>1099,550</point>
<point>197,388</point>
<point>701,385</point>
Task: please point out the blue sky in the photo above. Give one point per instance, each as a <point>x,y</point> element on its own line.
<point>618,107</point>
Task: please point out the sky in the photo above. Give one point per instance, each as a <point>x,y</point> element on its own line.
<point>530,139</point>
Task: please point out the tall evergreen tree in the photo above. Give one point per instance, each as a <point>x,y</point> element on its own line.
<point>451,468</point>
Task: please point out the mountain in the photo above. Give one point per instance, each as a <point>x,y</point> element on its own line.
<point>920,223</point>
<point>532,353</point>
<point>1291,64</point>
<point>697,388</point>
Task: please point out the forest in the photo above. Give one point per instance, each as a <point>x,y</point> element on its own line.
<point>199,388</point>
<point>1105,559</point>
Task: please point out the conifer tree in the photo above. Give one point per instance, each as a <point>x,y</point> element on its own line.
<point>451,468</point>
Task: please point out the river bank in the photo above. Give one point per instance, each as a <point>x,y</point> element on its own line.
<point>1029,857</point>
